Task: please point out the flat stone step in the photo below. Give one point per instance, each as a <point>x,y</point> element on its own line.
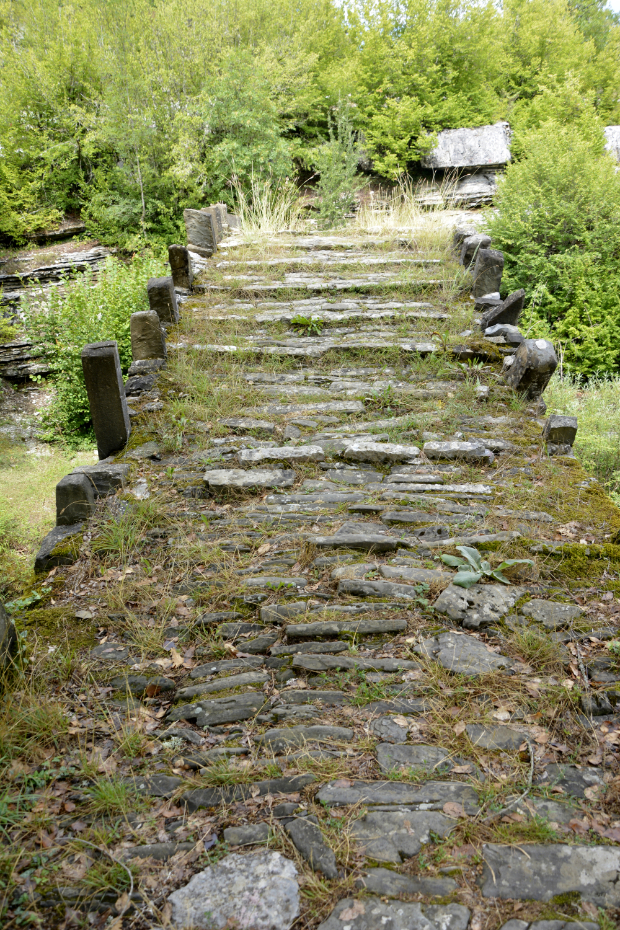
<point>389,795</point>
<point>223,684</point>
<point>300,281</point>
<point>367,542</point>
<point>335,406</point>
<point>542,872</point>
<point>229,794</point>
<point>281,738</point>
<point>331,257</point>
<point>371,912</point>
<point>363,627</point>
<point>324,663</point>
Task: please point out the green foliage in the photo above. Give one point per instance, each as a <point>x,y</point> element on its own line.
<point>7,331</point>
<point>557,221</point>
<point>311,326</point>
<point>336,161</point>
<point>86,312</point>
<point>473,567</point>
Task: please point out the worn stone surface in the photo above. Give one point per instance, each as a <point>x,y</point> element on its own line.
<point>487,272</point>
<point>60,547</point>
<point>572,779</point>
<point>532,366</point>
<point>390,884</point>
<point>552,614</point>
<point>181,267</point>
<point>543,872</point>
<point>388,730</point>
<point>241,479</point>
<point>223,684</point>
<point>390,836</point>
<point>431,759</point>
<point>470,247</point>
<point>430,796</point>
<point>162,299</point>
<point>75,499</point>
<point>379,452</point>
<point>241,424</point>
<point>560,429</point>
<point>462,654</point>
<point>478,606</point>
<point>464,451</point>
<point>363,627</point>
<point>106,396</point>
<point>470,148</point>
<point>105,477</point>
<point>228,794</point>
<point>220,710</point>
<point>8,638</point>
<point>248,835</point>
<point>258,892</point>
<point>284,454</point>
<point>497,737</point>
<point>370,913</point>
<point>506,311</point>
<point>201,236</point>
<point>147,336</point>
<point>281,738</point>
<point>309,841</point>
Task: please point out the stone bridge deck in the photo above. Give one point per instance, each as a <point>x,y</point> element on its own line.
<point>279,636</point>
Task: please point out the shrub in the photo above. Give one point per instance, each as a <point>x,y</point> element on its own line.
<point>337,161</point>
<point>558,211</point>
<point>81,312</point>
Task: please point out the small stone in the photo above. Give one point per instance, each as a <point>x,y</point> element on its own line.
<point>110,652</point>
<point>181,267</point>
<point>289,454</point>
<point>366,627</point>
<point>390,884</point>
<point>431,759</point>
<point>575,781</point>
<point>279,739</point>
<point>242,424</point>
<point>162,299</point>
<point>532,366</point>
<point>390,836</point>
<point>462,654</point>
<point>560,430</point>
<point>218,616</point>
<point>506,311</point>
<point>155,786</point>
<point>8,638</point>
<point>380,452</point>
<point>254,891</point>
<point>148,450</point>
<point>248,835</point>
<point>370,913</point>
<point>388,730</point>
<point>75,499</point>
<point>494,737</point>
<point>148,340</point>
<point>59,547</point>
<point>412,573</point>
<point>553,615</point>
<point>478,606</point>
<point>462,451</point>
<point>309,841</point>
<point>217,711</point>
<point>504,334</point>
<point>543,872</point>
<point>261,645</point>
<point>105,477</point>
<point>379,589</point>
<point>237,478</point>
<point>291,432</point>
<point>471,246</point>
<point>487,272</point>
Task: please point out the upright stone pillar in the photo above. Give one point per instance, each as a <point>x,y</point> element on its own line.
<point>529,370</point>
<point>471,246</point>
<point>147,336</point>
<point>506,311</point>
<point>75,499</point>
<point>223,210</point>
<point>106,396</point>
<point>181,266</point>
<point>201,236</point>
<point>162,299</point>
<point>488,272</point>
<point>216,217</point>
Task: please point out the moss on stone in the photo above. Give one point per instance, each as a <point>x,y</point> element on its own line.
<point>58,624</point>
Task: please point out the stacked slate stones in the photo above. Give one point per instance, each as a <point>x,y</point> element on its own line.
<point>343,707</point>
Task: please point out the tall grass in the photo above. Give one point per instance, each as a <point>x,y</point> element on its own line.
<point>408,208</point>
<point>270,207</point>
<point>596,404</point>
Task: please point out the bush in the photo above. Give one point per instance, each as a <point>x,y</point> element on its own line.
<point>81,312</point>
<point>337,161</point>
<point>558,212</point>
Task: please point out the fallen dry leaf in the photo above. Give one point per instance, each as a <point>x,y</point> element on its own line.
<point>453,809</point>
<point>177,658</point>
<point>356,910</point>
<point>460,728</point>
